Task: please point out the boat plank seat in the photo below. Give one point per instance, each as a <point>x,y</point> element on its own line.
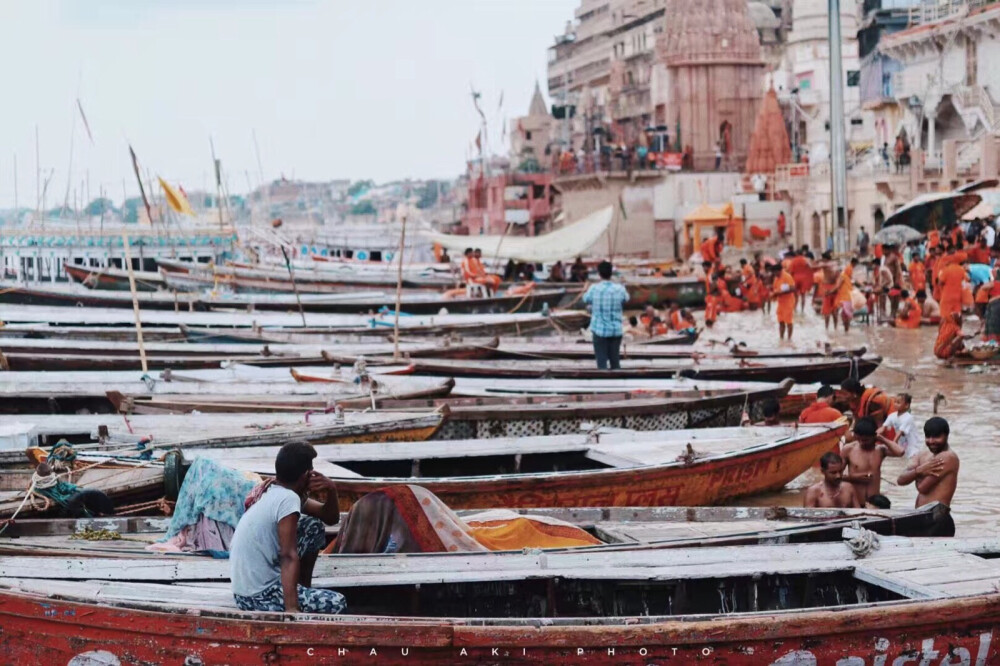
<point>932,577</point>
<point>642,533</point>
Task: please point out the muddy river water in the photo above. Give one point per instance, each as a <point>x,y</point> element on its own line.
<point>971,405</point>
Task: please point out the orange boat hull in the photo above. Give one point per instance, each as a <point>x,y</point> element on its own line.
<point>43,630</point>
<point>698,484</point>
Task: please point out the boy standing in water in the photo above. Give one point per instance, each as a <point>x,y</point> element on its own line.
<point>864,458</point>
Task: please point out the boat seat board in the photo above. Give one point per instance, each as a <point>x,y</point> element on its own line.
<point>932,577</point>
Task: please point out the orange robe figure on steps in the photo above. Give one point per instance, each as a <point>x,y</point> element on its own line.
<point>950,280</point>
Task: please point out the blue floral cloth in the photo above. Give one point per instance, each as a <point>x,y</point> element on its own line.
<point>209,490</point>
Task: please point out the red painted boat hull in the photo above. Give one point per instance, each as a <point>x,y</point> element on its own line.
<point>38,630</point>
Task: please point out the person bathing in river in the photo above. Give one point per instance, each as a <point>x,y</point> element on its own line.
<point>867,401</point>
<point>864,457</point>
<point>935,471</point>
<point>832,492</point>
<point>276,542</point>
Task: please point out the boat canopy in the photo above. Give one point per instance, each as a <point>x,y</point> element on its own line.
<point>570,241</point>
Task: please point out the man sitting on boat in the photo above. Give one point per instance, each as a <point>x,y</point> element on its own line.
<point>277,540</point>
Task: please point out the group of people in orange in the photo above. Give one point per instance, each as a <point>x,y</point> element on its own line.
<point>473,271</point>
<point>942,277</point>
<point>651,323</point>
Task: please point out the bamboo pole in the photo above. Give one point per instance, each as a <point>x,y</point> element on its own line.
<point>399,291</point>
<point>135,301</point>
<point>295,287</point>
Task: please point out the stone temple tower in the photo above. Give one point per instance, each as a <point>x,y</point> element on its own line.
<point>715,70</point>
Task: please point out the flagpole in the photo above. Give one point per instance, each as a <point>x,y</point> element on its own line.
<point>399,285</point>
<point>135,301</point>
<point>295,287</point>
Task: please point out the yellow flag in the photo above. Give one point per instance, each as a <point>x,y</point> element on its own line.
<point>176,200</point>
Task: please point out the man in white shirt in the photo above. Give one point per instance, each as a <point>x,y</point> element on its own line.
<point>990,234</point>
<point>901,422</point>
<point>276,541</point>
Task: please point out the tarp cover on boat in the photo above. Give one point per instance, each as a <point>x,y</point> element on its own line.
<point>570,241</point>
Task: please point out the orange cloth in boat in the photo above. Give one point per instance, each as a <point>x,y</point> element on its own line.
<point>498,531</point>
<point>819,412</point>
<point>677,322</point>
<point>912,318</point>
<point>785,298</point>
<point>412,519</point>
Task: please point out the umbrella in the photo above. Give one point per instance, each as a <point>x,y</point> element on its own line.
<point>979,185</point>
<point>934,211</point>
<point>898,234</point>
<point>983,210</point>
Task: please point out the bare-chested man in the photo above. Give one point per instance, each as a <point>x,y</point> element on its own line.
<point>864,458</point>
<point>935,471</point>
<point>831,492</point>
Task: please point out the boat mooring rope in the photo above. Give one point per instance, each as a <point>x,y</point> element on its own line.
<point>864,542</point>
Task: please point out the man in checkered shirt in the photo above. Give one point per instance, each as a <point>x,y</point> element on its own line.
<point>606,299</point>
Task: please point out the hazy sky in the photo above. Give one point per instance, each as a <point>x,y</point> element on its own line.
<point>333,88</point>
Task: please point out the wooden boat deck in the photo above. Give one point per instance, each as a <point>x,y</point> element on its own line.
<point>914,569</point>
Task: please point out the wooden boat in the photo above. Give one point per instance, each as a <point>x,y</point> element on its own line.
<point>931,600</point>
<point>88,392</point>
<point>115,279</point>
<point>803,370</point>
<point>489,417</point>
<point>485,418</point>
<point>343,303</point>
<point>124,481</point>
<point>233,431</point>
<point>583,349</point>
<point>321,326</point>
<point>186,275</point>
<point>686,291</point>
<point>616,527</point>
<point>620,468</point>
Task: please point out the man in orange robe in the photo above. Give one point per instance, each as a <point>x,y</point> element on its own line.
<point>491,281</point>
<point>802,272</point>
<point>918,274</point>
<point>868,401</point>
<point>950,339</point>
<point>727,302</point>
<point>749,285</point>
<point>951,279</point>
<point>821,411</point>
<point>843,287</point>
<point>933,239</point>
<point>783,291</point>
<point>909,312</point>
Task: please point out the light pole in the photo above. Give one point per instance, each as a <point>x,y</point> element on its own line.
<point>838,158</point>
